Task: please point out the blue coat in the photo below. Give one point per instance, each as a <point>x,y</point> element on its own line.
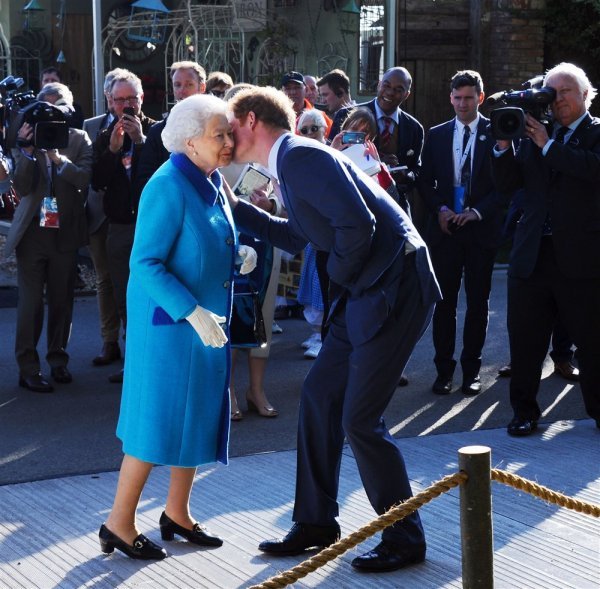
<point>175,401</point>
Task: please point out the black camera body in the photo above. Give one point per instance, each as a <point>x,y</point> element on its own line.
<point>49,122</point>
<point>508,121</point>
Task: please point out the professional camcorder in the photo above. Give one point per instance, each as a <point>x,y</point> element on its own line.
<point>508,121</point>
<point>49,122</point>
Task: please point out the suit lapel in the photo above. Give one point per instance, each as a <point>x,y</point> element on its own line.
<point>480,146</point>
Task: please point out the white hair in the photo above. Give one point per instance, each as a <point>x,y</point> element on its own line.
<point>189,119</point>
<point>65,96</point>
<point>571,70</point>
<point>312,115</point>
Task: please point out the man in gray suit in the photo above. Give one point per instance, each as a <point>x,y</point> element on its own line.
<point>48,228</point>
<point>110,324</point>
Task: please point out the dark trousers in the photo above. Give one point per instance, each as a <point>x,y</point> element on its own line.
<point>119,243</point>
<point>454,258</point>
<point>345,394</point>
<point>562,345</point>
<point>39,264</point>
<point>534,305</point>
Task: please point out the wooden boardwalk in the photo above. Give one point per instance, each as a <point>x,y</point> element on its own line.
<point>48,529</point>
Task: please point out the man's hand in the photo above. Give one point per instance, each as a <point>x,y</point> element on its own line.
<point>259,198</point>
<point>536,131</point>
<point>465,217</point>
<point>132,125</point>
<point>25,134</point>
<point>445,216</point>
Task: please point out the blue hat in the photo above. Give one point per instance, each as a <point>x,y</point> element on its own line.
<point>296,77</point>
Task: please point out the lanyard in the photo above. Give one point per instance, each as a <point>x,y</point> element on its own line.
<point>466,152</point>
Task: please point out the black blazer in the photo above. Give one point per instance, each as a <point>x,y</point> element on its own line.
<point>565,183</point>
<point>436,184</point>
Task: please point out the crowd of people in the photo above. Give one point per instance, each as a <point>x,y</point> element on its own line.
<point>170,236</point>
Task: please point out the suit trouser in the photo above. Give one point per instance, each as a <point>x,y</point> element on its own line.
<point>119,243</point>
<point>534,305</point>
<point>451,257</point>
<point>39,263</point>
<point>346,393</point>
<point>110,323</point>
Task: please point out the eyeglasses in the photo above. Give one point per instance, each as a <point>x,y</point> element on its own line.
<point>129,99</point>
<point>311,129</point>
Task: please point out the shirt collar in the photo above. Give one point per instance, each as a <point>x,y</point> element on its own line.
<point>575,123</point>
<point>272,162</point>
<point>394,116</point>
<point>472,125</point>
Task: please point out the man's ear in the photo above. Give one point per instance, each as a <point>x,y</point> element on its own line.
<point>481,98</point>
<point>252,120</point>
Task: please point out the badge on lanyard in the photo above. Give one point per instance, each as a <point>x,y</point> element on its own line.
<point>49,213</point>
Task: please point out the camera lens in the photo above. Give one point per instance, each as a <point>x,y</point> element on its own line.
<point>509,123</point>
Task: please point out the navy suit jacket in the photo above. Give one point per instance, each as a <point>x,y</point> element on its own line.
<point>565,183</point>
<point>436,184</point>
<point>346,213</point>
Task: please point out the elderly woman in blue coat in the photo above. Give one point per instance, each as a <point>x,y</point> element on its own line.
<point>175,400</point>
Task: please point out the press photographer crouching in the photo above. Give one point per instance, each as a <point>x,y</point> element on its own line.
<point>554,270</point>
<point>47,230</point>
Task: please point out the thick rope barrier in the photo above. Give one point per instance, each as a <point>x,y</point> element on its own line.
<point>344,544</point>
<point>401,511</point>
<point>513,480</point>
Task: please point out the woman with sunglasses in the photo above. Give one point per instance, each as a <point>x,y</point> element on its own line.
<point>311,123</point>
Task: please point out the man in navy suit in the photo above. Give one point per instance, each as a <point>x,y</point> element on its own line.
<point>554,267</point>
<point>399,139</point>
<point>465,228</point>
<point>383,291</point>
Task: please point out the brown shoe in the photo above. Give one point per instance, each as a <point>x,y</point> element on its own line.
<point>110,353</point>
<point>566,370</point>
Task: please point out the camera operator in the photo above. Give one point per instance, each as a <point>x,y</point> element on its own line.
<point>47,230</point>
<point>554,268</point>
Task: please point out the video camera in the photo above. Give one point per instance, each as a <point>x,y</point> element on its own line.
<point>508,121</point>
<point>49,122</point>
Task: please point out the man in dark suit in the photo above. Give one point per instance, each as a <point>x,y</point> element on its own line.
<point>554,268</point>
<point>400,137</point>
<point>465,228</point>
<point>48,228</point>
<point>383,291</point>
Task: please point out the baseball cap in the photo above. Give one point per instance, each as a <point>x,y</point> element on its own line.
<point>296,77</point>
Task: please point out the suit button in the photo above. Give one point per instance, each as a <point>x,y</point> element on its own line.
<point>226,284</point>
<point>229,241</point>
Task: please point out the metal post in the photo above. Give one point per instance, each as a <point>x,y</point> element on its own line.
<point>476,518</point>
<point>98,59</point>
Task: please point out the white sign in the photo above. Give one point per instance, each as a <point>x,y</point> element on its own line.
<point>251,15</point>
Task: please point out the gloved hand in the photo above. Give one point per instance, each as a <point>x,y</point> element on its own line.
<point>248,257</point>
<point>208,326</point>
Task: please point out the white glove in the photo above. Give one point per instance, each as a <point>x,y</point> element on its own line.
<point>208,327</point>
<point>249,258</point>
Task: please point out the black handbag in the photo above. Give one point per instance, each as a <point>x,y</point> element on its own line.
<point>247,327</point>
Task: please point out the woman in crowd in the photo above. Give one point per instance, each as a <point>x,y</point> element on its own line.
<point>175,403</point>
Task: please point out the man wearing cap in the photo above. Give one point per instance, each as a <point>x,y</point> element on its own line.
<point>293,86</point>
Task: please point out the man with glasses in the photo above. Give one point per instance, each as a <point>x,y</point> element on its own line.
<point>116,153</point>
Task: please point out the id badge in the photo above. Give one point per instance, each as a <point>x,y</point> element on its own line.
<point>459,199</point>
<point>49,213</point>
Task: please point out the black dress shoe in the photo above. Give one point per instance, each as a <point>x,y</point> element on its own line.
<point>566,370</point>
<point>403,381</point>
<point>142,548</point>
<point>61,374</point>
<point>117,377</point>
<point>197,535</point>
<point>521,427</point>
<point>110,353</point>
<point>36,383</point>
<point>505,371</point>
<point>471,386</point>
<point>442,386</point>
<point>387,556</point>
<point>300,538</point>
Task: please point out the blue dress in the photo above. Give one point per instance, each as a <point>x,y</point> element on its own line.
<point>175,400</point>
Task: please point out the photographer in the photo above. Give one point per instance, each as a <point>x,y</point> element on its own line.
<point>116,153</point>
<point>47,230</point>
<point>554,267</point>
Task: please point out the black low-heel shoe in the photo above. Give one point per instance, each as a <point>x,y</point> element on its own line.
<point>197,535</point>
<point>143,548</point>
